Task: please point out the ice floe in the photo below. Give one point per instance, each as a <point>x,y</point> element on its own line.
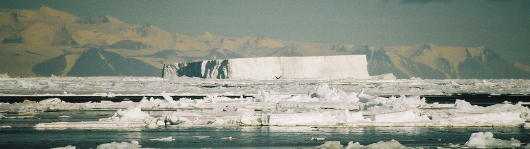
<point>111,145</point>
<point>392,144</point>
<point>486,140</point>
<point>120,145</point>
<point>165,139</point>
<point>324,106</point>
<point>122,119</point>
<point>65,147</point>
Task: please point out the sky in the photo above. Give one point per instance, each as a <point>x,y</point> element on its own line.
<point>502,25</point>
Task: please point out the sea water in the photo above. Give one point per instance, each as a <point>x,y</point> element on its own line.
<point>259,137</point>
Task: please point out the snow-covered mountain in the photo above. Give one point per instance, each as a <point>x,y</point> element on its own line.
<point>46,42</point>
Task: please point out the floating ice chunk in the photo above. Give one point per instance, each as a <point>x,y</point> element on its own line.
<point>4,76</point>
<point>65,147</point>
<point>155,103</point>
<point>355,145</point>
<point>120,145</point>
<point>365,97</point>
<point>92,125</point>
<point>122,119</point>
<point>330,145</point>
<point>51,101</point>
<point>492,119</point>
<point>110,95</point>
<point>526,125</point>
<point>400,117</point>
<point>316,118</point>
<point>331,94</point>
<point>486,140</point>
<point>168,98</point>
<point>393,104</point>
<point>318,138</point>
<point>251,118</point>
<point>165,139</point>
<point>412,102</point>
<point>201,137</point>
<point>392,144</point>
<point>132,114</point>
<point>507,107</point>
<point>178,118</point>
<point>64,116</point>
<point>4,126</point>
<point>268,97</point>
<point>230,138</point>
<point>463,105</point>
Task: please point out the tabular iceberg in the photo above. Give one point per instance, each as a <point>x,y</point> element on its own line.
<point>271,68</point>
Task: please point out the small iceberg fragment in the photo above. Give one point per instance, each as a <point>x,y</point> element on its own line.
<point>120,145</point>
<point>4,126</point>
<point>317,118</point>
<point>65,147</point>
<point>168,98</point>
<point>330,145</point>
<point>201,137</point>
<point>123,119</point>
<point>400,117</point>
<point>64,116</point>
<point>392,144</point>
<point>229,138</point>
<point>318,138</point>
<point>165,139</point>
<point>486,140</point>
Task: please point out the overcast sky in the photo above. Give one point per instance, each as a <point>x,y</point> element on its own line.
<point>503,25</point>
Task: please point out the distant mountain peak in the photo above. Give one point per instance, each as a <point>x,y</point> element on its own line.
<point>62,15</point>
<point>50,41</point>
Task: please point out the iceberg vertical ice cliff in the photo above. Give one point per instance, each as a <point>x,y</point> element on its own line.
<point>271,68</point>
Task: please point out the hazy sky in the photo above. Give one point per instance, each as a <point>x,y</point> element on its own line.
<point>499,24</point>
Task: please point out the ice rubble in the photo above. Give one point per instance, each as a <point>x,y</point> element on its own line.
<point>327,106</point>
<point>476,140</point>
<point>120,145</point>
<point>330,145</point>
<point>122,119</point>
<point>165,139</point>
<point>111,145</point>
<point>486,140</point>
<point>328,118</point>
<point>392,144</point>
<point>65,147</point>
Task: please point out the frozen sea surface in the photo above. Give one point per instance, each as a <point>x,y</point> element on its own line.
<point>320,117</point>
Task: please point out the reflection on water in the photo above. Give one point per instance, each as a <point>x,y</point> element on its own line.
<point>21,135</point>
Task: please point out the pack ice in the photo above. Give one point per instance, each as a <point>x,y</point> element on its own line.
<point>323,106</point>
<point>476,140</point>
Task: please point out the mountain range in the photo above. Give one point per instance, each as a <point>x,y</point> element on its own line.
<point>46,42</point>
